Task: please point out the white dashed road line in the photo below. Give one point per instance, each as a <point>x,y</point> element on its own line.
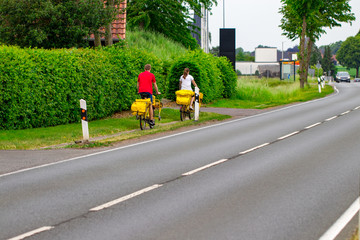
<point>288,135</point>
<point>127,197</point>
<point>332,118</point>
<point>204,167</point>
<point>31,233</point>
<point>345,113</point>
<point>314,125</point>
<point>254,148</point>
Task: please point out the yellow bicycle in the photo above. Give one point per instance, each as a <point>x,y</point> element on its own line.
<point>183,98</point>
<point>141,109</point>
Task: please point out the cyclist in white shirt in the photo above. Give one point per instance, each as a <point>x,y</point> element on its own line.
<point>185,83</point>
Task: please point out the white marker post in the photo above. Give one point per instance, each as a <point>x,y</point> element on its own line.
<point>319,85</point>
<point>84,122</point>
<point>197,106</point>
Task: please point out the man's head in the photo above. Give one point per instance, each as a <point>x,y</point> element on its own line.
<point>147,67</point>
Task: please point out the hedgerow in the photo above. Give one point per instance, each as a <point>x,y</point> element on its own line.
<point>214,76</point>
<point>40,88</point>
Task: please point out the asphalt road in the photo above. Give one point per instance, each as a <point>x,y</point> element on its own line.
<point>285,174</point>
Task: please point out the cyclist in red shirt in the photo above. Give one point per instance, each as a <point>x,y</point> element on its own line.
<point>146,80</point>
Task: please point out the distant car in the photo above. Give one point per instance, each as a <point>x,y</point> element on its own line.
<point>342,77</point>
<point>357,80</point>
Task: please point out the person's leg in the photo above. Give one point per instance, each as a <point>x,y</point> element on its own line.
<point>191,102</point>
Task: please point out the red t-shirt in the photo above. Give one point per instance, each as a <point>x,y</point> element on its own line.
<point>146,79</point>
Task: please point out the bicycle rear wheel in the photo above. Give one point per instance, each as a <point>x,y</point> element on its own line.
<point>183,113</point>
<point>142,123</point>
<point>191,114</point>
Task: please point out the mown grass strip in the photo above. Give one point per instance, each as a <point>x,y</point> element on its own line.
<point>43,137</point>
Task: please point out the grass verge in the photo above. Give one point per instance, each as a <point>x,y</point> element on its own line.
<point>262,93</point>
<point>128,127</point>
<point>356,235</point>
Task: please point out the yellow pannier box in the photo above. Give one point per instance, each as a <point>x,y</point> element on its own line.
<point>139,106</point>
<point>183,97</point>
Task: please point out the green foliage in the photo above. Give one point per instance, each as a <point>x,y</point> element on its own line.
<point>307,20</point>
<point>255,93</point>
<point>214,76</point>
<point>156,43</point>
<point>41,88</point>
<point>327,63</point>
<point>228,77</point>
<point>318,71</point>
<point>315,56</point>
<point>51,23</point>
<point>349,53</point>
<point>169,17</point>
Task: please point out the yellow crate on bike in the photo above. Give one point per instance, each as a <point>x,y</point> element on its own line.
<point>183,97</point>
<point>139,106</point>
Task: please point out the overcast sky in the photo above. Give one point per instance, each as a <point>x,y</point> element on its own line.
<point>257,23</point>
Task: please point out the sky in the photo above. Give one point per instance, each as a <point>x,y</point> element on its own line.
<point>257,23</point>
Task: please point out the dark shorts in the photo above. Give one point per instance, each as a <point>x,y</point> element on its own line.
<point>146,95</point>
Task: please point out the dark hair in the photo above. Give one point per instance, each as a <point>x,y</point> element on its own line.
<point>186,72</point>
<point>147,67</point>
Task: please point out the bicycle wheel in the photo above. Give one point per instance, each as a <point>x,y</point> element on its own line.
<point>142,123</point>
<point>183,113</point>
<point>191,114</point>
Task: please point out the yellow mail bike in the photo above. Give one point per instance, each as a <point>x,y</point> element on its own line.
<point>141,109</point>
<point>183,98</point>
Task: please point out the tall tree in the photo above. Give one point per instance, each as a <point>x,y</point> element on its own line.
<point>349,53</point>
<point>315,56</point>
<point>51,23</point>
<point>169,17</point>
<point>306,20</point>
<point>327,63</point>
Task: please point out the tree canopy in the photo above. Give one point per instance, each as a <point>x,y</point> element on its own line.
<point>349,53</point>
<point>51,23</point>
<point>169,17</point>
<point>307,20</point>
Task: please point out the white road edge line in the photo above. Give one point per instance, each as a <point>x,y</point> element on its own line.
<point>339,225</point>
<point>329,119</point>
<point>254,148</point>
<point>127,197</point>
<point>314,125</point>
<point>345,113</point>
<point>357,108</point>
<point>31,233</point>
<point>289,135</point>
<point>204,167</point>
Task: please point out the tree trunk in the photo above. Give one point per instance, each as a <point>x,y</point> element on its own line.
<point>302,71</point>
<point>108,35</point>
<point>307,59</point>
<point>97,41</point>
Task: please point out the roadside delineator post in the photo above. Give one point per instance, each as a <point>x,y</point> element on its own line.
<point>197,107</point>
<point>319,85</point>
<point>84,120</point>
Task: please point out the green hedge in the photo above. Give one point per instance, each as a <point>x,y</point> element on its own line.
<point>40,88</point>
<point>214,76</point>
<point>228,77</point>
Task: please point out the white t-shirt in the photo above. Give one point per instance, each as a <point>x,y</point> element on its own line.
<point>186,83</point>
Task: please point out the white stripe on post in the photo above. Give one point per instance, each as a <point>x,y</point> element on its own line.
<point>197,107</point>
<point>84,122</point>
